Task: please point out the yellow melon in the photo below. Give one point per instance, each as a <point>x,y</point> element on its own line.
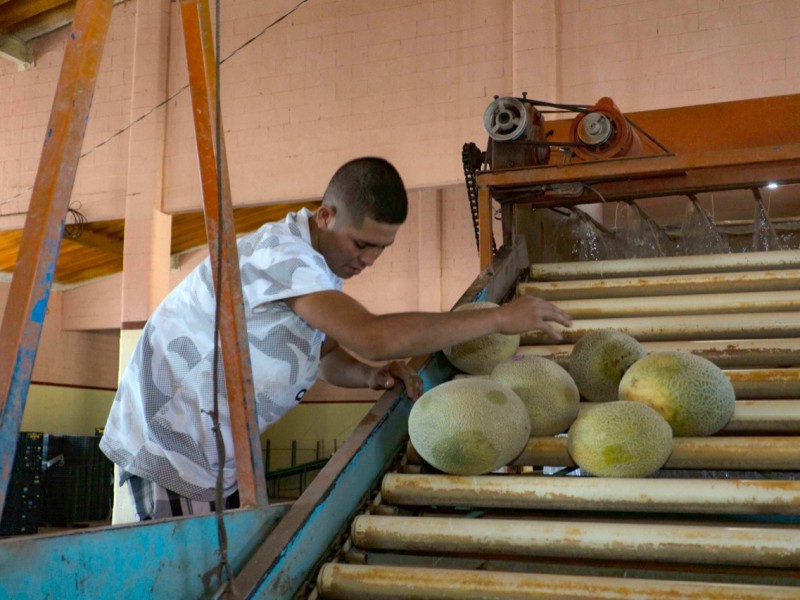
<point>690,392</point>
<point>548,391</point>
<point>469,426</point>
<point>598,361</point>
<point>480,355</point>
<point>620,439</point>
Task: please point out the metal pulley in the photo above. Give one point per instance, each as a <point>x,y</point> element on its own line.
<point>506,118</point>
<point>603,132</point>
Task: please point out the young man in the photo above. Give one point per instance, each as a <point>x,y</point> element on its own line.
<point>159,431</point>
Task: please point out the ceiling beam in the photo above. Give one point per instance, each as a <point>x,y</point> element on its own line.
<point>43,23</point>
<point>97,241</point>
<point>14,49</point>
<point>20,10</point>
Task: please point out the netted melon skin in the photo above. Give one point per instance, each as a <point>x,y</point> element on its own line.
<point>598,361</point>
<point>689,391</point>
<point>469,426</point>
<point>480,355</point>
<point>620,439</point>
<point>547,390</point>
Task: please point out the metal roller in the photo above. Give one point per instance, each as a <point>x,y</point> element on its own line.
<point>765,415</point>
<point>693,304</point>
<point>362,582</point>
<point>777,352</point>
<point>664,285</point>
<point>691,327</point>
<point>673,265</point>
<point>732,453</point>
<point>753,546</point>
<point>766,383</point>
<point>779,416</point>
<point>592,493</point>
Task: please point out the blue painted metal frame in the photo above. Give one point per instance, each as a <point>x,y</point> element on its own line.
<point>175,558</point>
<point>25,310</point>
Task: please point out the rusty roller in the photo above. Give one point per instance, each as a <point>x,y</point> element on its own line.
<point>362,582</point>
<point>728,453</point>
<point>684,327</point>
<point>765,383</point>
<point>754,546</point>
<point>689,304</point>
<point>664,285</point>
<point>776,416</point>
<point>673,265</point>
<point>724,496</point>
<point>776,352</point>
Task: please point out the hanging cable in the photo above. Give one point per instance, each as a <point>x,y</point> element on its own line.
<point>219,506</point>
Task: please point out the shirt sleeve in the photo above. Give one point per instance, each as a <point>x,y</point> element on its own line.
<point>276,267</point>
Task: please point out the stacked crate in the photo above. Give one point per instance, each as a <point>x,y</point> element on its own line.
<point>77,489</point>
<point>24,498</point>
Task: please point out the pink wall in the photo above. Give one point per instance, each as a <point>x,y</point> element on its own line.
<point>408,80</point>
<point>72,358</point>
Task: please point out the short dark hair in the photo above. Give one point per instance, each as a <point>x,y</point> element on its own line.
<point>368,187</point>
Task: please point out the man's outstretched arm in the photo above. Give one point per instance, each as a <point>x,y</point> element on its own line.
<point>400,335</point>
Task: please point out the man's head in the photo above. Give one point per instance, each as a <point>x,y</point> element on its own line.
<point>362,208</point>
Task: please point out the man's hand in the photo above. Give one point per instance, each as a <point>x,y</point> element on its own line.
<point>526,313</point>
<point>385,378</point>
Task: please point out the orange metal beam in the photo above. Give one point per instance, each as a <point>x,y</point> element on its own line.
<point>707,127</point>
<point>219,216</point>
<point>727,145</point>
<point>41,239</point>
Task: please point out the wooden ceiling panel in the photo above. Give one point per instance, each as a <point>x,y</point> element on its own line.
<point>93,250</point>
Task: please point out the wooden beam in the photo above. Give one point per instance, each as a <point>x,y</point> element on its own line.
<point>44,225</point>
<point>21,10</point>
<point>14,49</point>
<point>96,241</point>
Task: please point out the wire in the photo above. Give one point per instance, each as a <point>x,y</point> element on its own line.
<point>222,534</point>
<point>160,104</point>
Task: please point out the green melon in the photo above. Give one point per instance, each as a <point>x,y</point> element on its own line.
<point>690,392</point>
<point>479,356</point>
<point>620,439</point>
<point>598,361</point>
<point>548,391</point>
<point>469,426</point>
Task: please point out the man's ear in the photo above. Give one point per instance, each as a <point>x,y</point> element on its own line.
<point>325,216</point>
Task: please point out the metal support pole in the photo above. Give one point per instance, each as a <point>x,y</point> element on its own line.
<point>41,238</point>
<point>485,233</point>
<point>201,62</point>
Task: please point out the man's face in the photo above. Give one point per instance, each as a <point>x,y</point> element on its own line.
<point>349,250</point>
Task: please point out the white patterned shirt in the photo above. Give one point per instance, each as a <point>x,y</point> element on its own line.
<point>159,427</point>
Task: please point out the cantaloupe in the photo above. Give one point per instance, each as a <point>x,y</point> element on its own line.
<point>620,439</point>
<point>690,392</point>
<point>480,355</point>
<point>469,426</point>
<point>598,361</point>
<point>547,390</point>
